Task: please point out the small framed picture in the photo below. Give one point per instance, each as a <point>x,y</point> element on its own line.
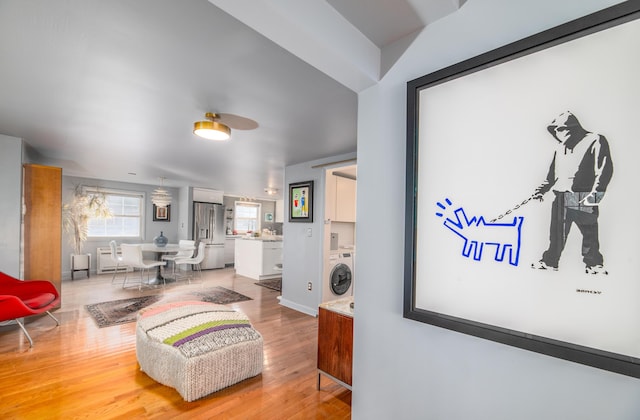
<point>268,217</point>
<point>301,202</point>
<point>162,214</point>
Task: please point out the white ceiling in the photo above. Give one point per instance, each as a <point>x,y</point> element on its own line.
<point>111,89</point>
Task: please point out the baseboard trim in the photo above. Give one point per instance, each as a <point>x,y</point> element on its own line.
<point>298,307</point>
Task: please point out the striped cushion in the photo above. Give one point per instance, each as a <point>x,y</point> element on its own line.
<point>196,328</point>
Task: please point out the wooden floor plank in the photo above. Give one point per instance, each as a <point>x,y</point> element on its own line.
<point>78,370</point>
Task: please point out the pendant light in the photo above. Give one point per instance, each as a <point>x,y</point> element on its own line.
<point>211,129</point>
<point>160,196</point>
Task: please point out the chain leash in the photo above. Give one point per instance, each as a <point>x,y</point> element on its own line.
<point>516,207</point>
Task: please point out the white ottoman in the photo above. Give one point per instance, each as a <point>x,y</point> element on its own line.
<point>197,347</point>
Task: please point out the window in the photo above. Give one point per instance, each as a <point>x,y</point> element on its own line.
<point>126,222</point>
<point>247,217</point>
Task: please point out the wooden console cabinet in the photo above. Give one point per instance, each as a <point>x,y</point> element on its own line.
<point>335,346</point>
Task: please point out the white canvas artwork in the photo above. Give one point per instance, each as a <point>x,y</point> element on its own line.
<point>525,194</point>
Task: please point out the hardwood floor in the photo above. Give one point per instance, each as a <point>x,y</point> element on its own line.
<point>78,370</point>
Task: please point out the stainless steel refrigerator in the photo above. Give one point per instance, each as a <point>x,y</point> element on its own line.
<point>208,227</point>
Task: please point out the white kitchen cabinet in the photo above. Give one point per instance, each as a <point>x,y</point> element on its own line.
<point>330,197</point>
<point>257,258</point>
<point>279,211</point>
<point>229,250</point>
<point>208,196</point>
<point>345,199</point>
<point>271,258</point>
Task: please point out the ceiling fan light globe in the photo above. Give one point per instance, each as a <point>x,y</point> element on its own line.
<point>211,130</point>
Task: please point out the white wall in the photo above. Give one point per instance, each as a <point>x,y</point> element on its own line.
<point>185,210</point>
<point>10,204</point>
<point>303,254</point>
<point>408,370</point>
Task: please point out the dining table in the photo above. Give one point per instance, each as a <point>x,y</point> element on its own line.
<point>159,251</point>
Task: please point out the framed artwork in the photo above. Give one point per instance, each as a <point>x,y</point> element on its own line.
<point>520,204</point>
<point>268,217</point>
<point>162,214</point>
<point>301,202</point>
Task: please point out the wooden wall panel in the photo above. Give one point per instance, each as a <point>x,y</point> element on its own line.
<point>43,223</point>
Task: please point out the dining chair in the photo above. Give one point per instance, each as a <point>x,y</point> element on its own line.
<point>117,259</point>
<point>132,256</point>
<point>193,261</point>
<point>183,253</point>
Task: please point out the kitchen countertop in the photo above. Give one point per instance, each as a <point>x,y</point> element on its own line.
<point>262,238</point>
<point>341,306</point>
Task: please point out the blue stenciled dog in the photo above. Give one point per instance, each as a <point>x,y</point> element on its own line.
<point>479,234</point>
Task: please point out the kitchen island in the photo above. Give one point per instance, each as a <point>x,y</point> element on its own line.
<point>258,258</point>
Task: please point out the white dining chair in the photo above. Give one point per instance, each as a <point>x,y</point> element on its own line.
<point>132,256</point>
<point>193,261</point>
<point>117,259</point>
<point>183,253</point>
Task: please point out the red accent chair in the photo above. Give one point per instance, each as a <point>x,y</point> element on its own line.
<point>19,299</point>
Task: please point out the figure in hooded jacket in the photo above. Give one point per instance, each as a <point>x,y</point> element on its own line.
<point>578,176</point>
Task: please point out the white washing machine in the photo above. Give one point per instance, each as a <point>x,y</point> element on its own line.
<point>341,278</point>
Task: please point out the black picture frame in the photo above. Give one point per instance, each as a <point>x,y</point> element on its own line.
<point>418,279</point>
<point>162,214</point>
<point>301,202</point>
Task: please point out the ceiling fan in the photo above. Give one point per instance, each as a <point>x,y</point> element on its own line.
<point>217,126</point>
